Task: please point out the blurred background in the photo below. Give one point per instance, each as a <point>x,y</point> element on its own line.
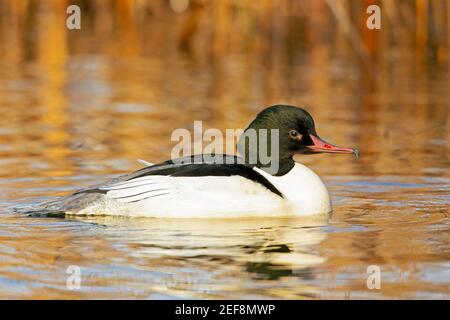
<point>139,69</point>
<point>80,106</point>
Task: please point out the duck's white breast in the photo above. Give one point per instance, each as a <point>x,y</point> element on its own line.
<point>303,189</point>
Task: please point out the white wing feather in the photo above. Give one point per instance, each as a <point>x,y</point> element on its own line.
<point>145,163</point>
<point>141,188</point>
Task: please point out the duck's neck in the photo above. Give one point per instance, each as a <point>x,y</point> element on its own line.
<point>274,159</point>
<point>277,169</point>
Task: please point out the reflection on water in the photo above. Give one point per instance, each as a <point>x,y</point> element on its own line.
<point>80,107</point>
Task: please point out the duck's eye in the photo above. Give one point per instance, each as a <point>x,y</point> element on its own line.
<point>294,134</point>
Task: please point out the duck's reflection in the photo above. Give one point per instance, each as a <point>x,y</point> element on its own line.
<point>267,249</point>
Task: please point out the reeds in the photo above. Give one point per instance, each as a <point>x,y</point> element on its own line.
<point>220,27</point>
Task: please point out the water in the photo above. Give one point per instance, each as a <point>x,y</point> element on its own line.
<point>79,108</point>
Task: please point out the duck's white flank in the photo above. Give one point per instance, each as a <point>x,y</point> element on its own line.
<point>215,196</point>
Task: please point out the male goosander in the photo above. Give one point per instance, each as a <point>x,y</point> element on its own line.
<point>232,187</point>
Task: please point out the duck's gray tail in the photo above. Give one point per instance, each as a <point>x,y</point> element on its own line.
<point>59,207</point>
<point>53,208</point>
<point>40,212</point>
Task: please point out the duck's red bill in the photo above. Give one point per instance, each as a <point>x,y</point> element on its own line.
<point>321,146</point>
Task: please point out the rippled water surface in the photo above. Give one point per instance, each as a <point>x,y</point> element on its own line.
<point>79,108</point>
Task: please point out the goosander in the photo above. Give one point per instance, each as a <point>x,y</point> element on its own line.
<point>227,186</point>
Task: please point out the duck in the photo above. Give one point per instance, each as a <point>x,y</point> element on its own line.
<point>219,185</point>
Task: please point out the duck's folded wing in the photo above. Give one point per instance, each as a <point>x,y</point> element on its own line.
<point>159,180</point>
<point>140,189</point>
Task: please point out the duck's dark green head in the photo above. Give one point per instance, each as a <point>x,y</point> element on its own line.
<point>296,134</point>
